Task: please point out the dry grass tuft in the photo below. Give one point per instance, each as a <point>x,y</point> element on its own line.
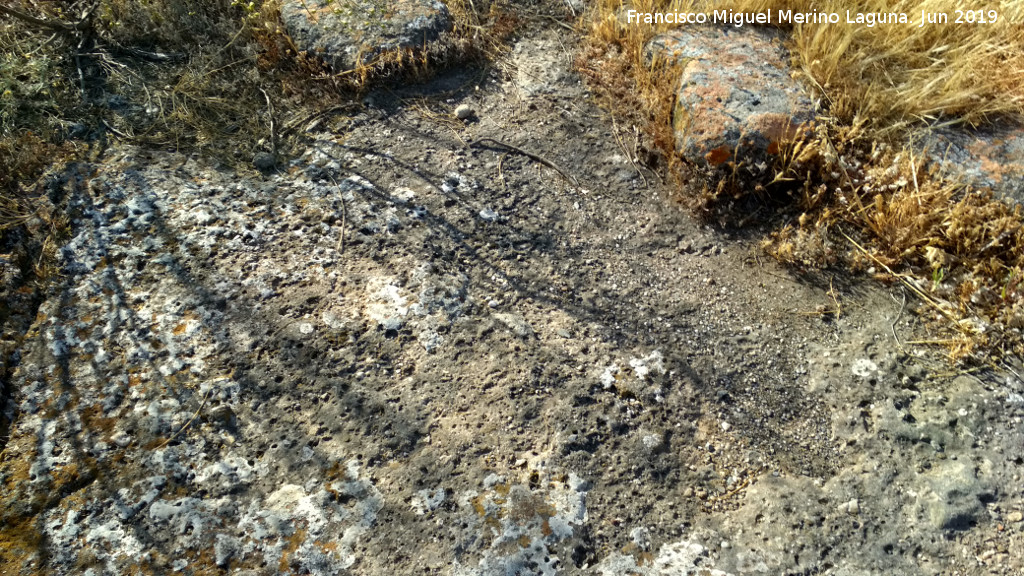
<point>636,88</point>
<point>895,75</point>
<point>889,74</point>
<point>960,252</point>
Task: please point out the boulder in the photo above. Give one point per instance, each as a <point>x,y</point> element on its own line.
<point>736,101</point>
<point>346,34</point>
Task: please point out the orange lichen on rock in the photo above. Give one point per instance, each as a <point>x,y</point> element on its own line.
<point>736,99</point>
<point>718,156</point>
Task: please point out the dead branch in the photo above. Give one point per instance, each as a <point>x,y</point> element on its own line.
<point>48,23</point>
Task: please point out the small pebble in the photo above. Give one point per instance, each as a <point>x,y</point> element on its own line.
<point>221,413</point>
<point>464,112</point>
<point>122,439</point>
<point>1015,516</point>
<point>264,161</point>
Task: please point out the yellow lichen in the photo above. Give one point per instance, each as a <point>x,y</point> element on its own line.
<point>20,543</point>
<point>291,546</point>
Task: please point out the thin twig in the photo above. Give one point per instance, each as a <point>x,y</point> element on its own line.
<point>898,316</point>
<point>835,299</point>
<point>340,248</point>
<point>913,288</point>
<point>501,176</point>
<point>629,156</point>
<point>190,420</point>
<point>273,130</point>
<point>1012,371</point>
<point>568,27</point>
<point>78,66</point>
<point>114,130</point>
<point>530,155</point>
<point>43,45</point>
<point>287,129</point>
<point>474,12</point>
<point>147,55</point>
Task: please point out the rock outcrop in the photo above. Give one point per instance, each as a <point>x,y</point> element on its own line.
<point>736,99</point>
<point>346,34</point>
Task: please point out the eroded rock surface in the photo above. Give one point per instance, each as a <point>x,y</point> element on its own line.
<point>736,101</point>
<point>990,157</point>
<point>403,353</point>
<point>346,34</point>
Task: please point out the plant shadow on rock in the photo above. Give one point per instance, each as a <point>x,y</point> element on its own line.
<point>114,345</point>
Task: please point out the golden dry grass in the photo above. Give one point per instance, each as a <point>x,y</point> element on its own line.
<point>889,74</point>
<point>958,253</point>
<point>850,197</point>
<point>895,74</point>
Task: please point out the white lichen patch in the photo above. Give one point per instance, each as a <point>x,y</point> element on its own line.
<point>430,340</point>
<point>314,530</point>
<point>645,366</point>
<point>426,501</point>
<point>518,525</point>
<point>110,541</point>
<point>610,375</point>
<point>386,303</point>
<point>428,302</point>
<point>45,461</point>
<point>327,529</point>
<point>444,296</point>
<point>683,558</point>
<point>335,320</point>
<point>227,474</point>
<point>189,518</point>
<point>637,380</point>
<point>402,195</point>
<point>864,368</point>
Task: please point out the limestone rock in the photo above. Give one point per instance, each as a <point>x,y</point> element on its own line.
<point>346,33</point>
<point>736,99</point>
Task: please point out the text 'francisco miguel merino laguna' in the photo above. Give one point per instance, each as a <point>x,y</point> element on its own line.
<point>869,19</point>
